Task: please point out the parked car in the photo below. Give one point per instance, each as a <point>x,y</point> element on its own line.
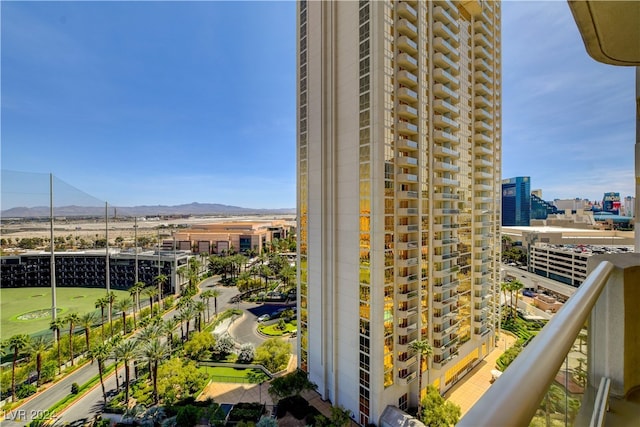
<point>528,293</point>
<point>264,318</point>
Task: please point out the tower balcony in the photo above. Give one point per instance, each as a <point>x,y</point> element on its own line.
<point>407,78</point>
<point>482,40</point>
<point>442,45</point>
<point>407,45</point>
<point>407,211</point>
<point>407,61</point>
<point>440,304</point>
<point>481,52</point>
<point>407,245</point>
<point>409,262</point>
<point>482,139</point>
<point>407,128</point>
<point>407,145</point>
<point>444,121</point>
<point>447,167</point>
<point>406,11</point>
<point>444,136</point>
<point>407,111</point>
<point>443,76</point>
<point>404,364</point>
<point>482,28</point>
<point>443,350</point>
<point>445,256</point>
<point>444,227</point>
<point>483,77</point>
<point>445,329</point>
<point>407,28</point>
<point>407,195</point>
<point>443,91</point>
<point>442,60</point>
<point>406,178</point>
<point>482,187</point>
<point>474,7</point>
<point>483,65</point>
<point>481,89</point>
<point>482,114</point>
<point>443,15</point>
<point>441,151</point>
<point>481,101</point>
<point>479,125</point>
<point>441,30</point>
<point>442,287</point>
<point>446,182</point>
<point>481,149</point>
<point>406,161</point>
<point>408,296</point>
<point>442,106</point>
<point>408,378</point>
<point>407,228</point>
<point>407,95</point>
<point>446,211</point>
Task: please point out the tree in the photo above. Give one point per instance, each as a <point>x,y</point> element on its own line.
<point>101,353</point>
<point>86,321</point>
<point>115,342</point>
<point>421,348</point>
<point>504,287</point>
<point>200,345</point>
<point>437,411</point>
<point>102,303</point>
<point>134,292</point>
<point>150,292</point>
<point>111,298</point>
<point>72,319</point>
<point>154,351</point>
<point>179,379</point>
<point>200,308</point>
<point>515,287</point>
<point>39,346</point>
<point>122,306</point>
<point>224,345</point>
<point>17,344</point>
<point>161,280</point>
<point>247,353</point>
<point>56,325</point>
<point>168,326</point>
<point>127,352</point>
<point>291,384</point>
<point>273,354</point>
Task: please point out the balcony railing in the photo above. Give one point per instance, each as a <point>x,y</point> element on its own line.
<point>515,397</point>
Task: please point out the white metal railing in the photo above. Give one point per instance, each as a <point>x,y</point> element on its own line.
<point>514,398</point>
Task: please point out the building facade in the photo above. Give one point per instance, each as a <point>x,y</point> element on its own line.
<point>399,155</point>
<point>88,269</point>
<point>516,201</point>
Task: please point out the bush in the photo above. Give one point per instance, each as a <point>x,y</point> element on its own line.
<point>25,390</point>
<point>295,405</point>
<point>246,412</point>
<point>75,388</point>
<point>48,372</point>
<point>247,353</point>
<point>224,345</point>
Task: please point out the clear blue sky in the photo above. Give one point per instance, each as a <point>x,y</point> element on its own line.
<point>145,103</point>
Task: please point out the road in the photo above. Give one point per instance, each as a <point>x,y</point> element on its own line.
<point>532,280</point>
<point>87,407</point>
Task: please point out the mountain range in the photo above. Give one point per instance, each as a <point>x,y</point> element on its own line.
<point>121,211</point>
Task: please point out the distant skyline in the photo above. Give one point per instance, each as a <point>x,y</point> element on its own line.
<point>167,103</point>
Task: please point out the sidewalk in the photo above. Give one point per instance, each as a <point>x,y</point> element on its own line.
<point>473,385</point>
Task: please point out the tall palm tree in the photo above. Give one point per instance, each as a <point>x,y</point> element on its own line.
<point>154,351</point>
<point>215,294</point>
<point>101,353</point>
<point>111,298</point>
<point>161,279</point>
<point>189,312</point>
<point>504,287</point>
<point>127,352</point>
<point>72,319</point>
<point>205,297</point>
<point>102,303</point>
<point>16,343</point>
<point>168,326</point>
<point>122,306</point>
<point>200,307</point>
<point>515,287</point>
<point>150,292</point>
<point>86,321</point>
<point>39,346</point>
<point>423,349</point>
<point>134,292</point>
<point>115,342</point>
<point>56,325</point>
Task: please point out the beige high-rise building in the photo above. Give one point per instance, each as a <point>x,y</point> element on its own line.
<point>399,182</point>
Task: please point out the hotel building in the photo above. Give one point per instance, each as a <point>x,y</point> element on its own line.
<point>399,183</point>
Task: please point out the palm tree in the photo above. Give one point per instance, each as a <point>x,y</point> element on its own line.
<point>161,279</point>
<point>200,307</point>
<point>127,352</point>
<point>206,296</point>
<point>504,287</point>
<point>115,342</point>
<point>56,325</point>
<point>111,298</point>
<point>16,343</point>
<point>215,294</point>
<point>168,326</point>
<point>186,314</point>
<point>122,306</point>
<point>101,353</point>
<point>154,351</point>
<point>102,303</point>
<point>516,285</point>
<point>71,319</point>
<point>423,349</point>
<point>134,292</point>
<point>86,321</point>
<point>38,346</point>
<point>151,292</point>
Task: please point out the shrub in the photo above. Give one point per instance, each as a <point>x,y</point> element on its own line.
<point>25,390</point>
<point>247,353</point>
<point>295,405</point>
<point>223,346</point>
<point>246,412</point>
<point>75,388</point>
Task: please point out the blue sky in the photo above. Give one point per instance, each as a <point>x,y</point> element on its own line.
<point>145,103</point>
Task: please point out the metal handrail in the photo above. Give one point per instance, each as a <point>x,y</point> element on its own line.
<point>601,403</point>
<point>514,398</point>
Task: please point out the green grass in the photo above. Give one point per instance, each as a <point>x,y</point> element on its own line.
<point>273,331</point>
<point>227,374</point>
<point>18,301</point>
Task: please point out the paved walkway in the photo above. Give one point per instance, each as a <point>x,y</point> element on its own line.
<point>470,388</point>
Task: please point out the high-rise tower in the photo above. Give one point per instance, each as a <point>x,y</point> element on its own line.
<point>398,195</point>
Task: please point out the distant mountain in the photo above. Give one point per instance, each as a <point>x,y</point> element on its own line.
<point>189,209</point>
